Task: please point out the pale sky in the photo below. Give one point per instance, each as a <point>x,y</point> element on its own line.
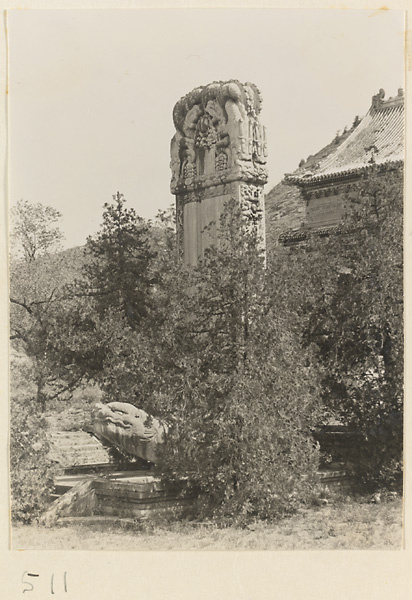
<point>91,93</point>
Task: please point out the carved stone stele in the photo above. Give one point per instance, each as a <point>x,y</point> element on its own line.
<point>218,152</point>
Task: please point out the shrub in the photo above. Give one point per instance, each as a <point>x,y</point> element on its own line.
<point>355,322</point>
<point>31,472</point>
<point>222,365</point>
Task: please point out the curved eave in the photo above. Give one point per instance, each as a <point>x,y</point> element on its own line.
<point>338,176</point>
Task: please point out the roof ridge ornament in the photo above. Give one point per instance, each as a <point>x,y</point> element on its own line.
<point>377,99</point>
<point>379,102</point>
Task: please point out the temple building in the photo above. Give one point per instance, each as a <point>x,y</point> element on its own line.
<point>374,144</point>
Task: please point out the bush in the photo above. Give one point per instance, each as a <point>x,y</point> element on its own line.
<point>355,324</point>
<point>31,472</point>
<point>222,365</point>
<point>376,460</point>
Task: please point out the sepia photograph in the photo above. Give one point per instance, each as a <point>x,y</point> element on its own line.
<point>206,287</point>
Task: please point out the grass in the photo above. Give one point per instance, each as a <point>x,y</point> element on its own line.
<point>343,524</point>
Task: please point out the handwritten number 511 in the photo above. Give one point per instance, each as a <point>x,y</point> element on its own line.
<point>52,584</point>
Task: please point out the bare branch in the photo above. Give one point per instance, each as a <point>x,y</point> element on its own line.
<point>23,305</point>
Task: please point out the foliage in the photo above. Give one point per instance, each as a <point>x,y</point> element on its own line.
<point>117,274</point>
<point>30,469</point>
<point>38,273</point>
<point>63,317</point>
<point>36,277</point>
<point>232,355</point>
<point>219,365</point>
<point>356,324</point>
<point>31,472</point>
<point>38,302</point>
<point>33,231</point>
<point>110,298</point>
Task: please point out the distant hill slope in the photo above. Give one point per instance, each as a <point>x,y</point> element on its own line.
<point>285,209</point>
<point>74,260</point>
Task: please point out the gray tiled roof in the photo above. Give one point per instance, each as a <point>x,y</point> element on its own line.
<point>377,140</point>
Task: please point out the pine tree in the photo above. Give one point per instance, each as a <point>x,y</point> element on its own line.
<point>118,273</point>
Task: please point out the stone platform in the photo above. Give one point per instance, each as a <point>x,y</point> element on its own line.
<point>134,494</point>
<point>91,484</point>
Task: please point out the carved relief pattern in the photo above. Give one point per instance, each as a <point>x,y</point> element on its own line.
<point>188,170</point>
<point>252,202</point>
<point>219,130</point>
<point>224,189</point>
<point>221,161</point>
<point>206,134</point>
<point>327,191</point>
<point>179,229</point>
<point>218,151</point>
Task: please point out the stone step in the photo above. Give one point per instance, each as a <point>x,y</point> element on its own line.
<point>70,448</point>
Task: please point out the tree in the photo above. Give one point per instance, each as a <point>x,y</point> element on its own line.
<point>356,324</point>
<point>38,273</point>
<point>117,273</point>
<point>31,470</point>
<point>111,298</point>
<point>219,365</point>
<point>34,232</point>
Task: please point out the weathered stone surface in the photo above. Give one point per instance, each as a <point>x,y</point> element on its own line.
<point>80,500</point>
<point>218,152</point>
<point>129,429</point>
<point>77,449</point>
<point>91,498</point>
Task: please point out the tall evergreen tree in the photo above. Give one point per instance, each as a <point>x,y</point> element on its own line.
<point>113,297</point>
<point>118,273</point>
